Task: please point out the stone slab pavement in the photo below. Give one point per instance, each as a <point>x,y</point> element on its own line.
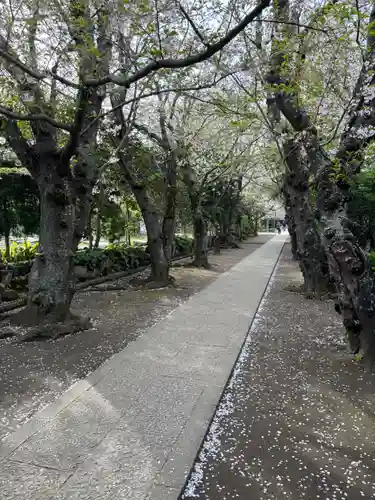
<point>132,428</point>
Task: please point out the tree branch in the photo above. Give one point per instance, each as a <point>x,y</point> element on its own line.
<point>192,24</point>
<point>17,142</point>
<point>39,76</point>
<point>155,93</point>
<point>186,62</point>
<point>152,135</point>
<point>293,23</point>
<point>34,117</point>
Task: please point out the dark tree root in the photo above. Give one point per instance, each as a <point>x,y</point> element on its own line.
<point>150,283</point>
<point>56,330</point>
<point>230,246</point>
<point>109,288</point>
<point>7,332</point>
<point>310,295</point>
<point>295,288</point>
<point>198,265</point>
<point>139,283</point>
<point>47,328</point>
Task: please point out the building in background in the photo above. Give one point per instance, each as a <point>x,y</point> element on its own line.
<point>275,215</point>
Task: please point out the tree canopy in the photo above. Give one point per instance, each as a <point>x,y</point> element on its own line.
<point>194,112</point>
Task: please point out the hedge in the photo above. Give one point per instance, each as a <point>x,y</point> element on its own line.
<point>101,262</point>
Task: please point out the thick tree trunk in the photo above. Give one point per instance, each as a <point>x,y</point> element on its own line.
<point>199,222</point>
<point>217,242</point>
<point>229,237</point>
<point>228,222</point>
<point>127,236</point>
<point>155,241</point>
<point>169,226</point>
<point>293,237</point>
<point>256,227</point>
<point>200,242</point>
<point>98,227</point>
<point>159,263</point>
<point>98,230</point>
<point>309,250</point>
<point>89,230</point>
<point>349,266</point>
<point>169,219</point>
<point>5,216</point>
<point>7,245</point>
<point>50,281</point>
<point>348,263</point>
<point>65,188</point>
<point>291,223</point>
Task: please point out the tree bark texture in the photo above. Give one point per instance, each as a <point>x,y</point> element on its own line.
<point>348,263</point>
<point>169,216</point>
<point>65,175</point>
<point>199,222</point>
<point>291,223</point>
<point>200,241</point>
<point>50,281</point>
<point>309,250</point>
<point>155,243</point>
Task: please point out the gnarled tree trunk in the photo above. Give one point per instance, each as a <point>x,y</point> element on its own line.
<point>155,243</point>
<point>199,223</point>
<point>169,219</point>
<point>155,240</point>
<point>50,280</point>
<point>348,263</point>
<point>200,241</point>
<point>291,224</point>
<point>309,250</point>
<point>64,185</point>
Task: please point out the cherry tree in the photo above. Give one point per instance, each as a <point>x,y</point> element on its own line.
<point>59,62</point>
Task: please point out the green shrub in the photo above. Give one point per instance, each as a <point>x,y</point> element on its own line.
<point>114,258</point>
<point>21,252</point>
<point>90,258</point>
<point>183,245</point>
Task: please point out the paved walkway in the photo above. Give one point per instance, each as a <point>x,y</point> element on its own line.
<point>131,430</point>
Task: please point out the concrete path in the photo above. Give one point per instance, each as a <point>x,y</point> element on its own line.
<point>131,430</point>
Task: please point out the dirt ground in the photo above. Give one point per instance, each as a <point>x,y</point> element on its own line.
<point>297,419</point>
<point>34,374</point>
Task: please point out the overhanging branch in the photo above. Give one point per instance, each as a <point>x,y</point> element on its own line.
<point>34,117</point>
<point>149,68</point>
<point>188,61</point>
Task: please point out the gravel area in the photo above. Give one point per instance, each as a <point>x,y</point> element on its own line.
<point>34,374</point>
<point>297,418</point>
